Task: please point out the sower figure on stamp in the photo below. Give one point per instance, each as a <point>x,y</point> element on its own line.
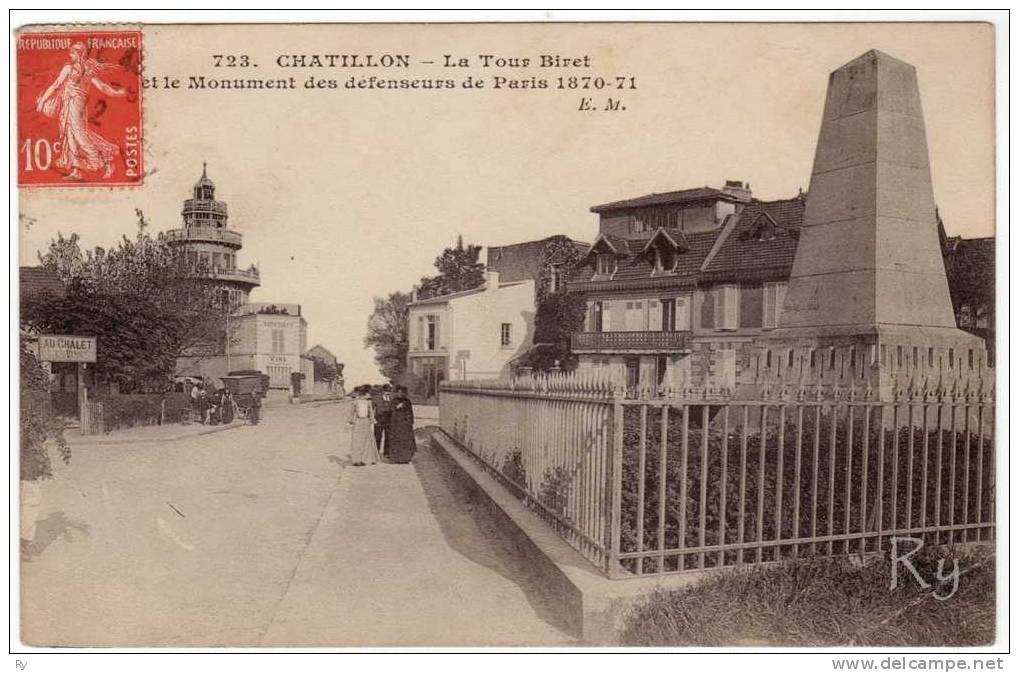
<point>383,400</point>
<point>65,99</point>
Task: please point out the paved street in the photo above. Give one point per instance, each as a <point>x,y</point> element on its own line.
<point>263,536</point>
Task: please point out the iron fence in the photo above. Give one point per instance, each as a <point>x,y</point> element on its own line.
<point>696,481</point>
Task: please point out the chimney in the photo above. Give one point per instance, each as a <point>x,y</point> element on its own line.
<point>738,189</point>
<point>491,280</point>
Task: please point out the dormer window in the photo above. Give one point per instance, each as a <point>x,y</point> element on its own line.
<point>665,260</point>
<point>605,264</point>
<point>764,229</point>
<point>663,249</point>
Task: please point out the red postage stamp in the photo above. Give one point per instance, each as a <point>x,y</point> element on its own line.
<point>79,108</point>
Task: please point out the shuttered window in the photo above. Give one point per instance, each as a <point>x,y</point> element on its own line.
<point>708,309</point>
<point>654,315</point>
<point>774,296</point>
<point>751,306</point>
<point>634,321</point>
<point>681,321</point>
<point>616,316</point>
<point>726,307</point>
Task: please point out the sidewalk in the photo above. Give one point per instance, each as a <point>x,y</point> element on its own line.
<point>399,558</point>
<point>425,415</point>
<point>146,434</point>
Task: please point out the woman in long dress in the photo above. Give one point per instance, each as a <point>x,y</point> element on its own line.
<point>400,445</point>
<point>80,147</point>
<point>363,450</point>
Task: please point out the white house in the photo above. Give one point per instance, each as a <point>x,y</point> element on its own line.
<point>470,334</point>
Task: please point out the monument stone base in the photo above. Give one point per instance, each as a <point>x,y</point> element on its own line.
<point>878,361</point>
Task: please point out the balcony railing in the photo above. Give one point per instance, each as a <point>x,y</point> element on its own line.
<point>214,234</point>
<point>203,206</point>
<point>630,341</point>
<point>243,275</point>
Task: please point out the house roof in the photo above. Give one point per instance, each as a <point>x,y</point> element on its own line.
<point>522,261</point>
<point>675,239</point>
<point>38,279</point>
<point>973,250</point>
<point>680,196</point>
<point>764,237</point>
<point>636,264</point>
<point>758,245</point>
<point>443,298</point>
<point>319,348</point>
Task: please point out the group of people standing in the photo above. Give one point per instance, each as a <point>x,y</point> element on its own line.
<point>381,426</point>
<point>211,405</point>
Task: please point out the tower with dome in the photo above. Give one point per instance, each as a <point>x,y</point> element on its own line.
<point>211,246</point>
<point>268,337</point>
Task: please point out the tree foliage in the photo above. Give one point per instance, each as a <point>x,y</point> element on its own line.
<point>143,300</point>
<point>387,333</point>
<point>559,314</point>
<point>39,425</point>
<point>324,370</point>
<point>970,280</point>
<point>459,269</point>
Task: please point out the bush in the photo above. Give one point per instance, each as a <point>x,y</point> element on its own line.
<point>38,424</point>
<point>175,404</point>
<point>554,491</point>
<point>762,476</point>
<point>825,602</point>
<point>128,411</point>
<point>513,468</point>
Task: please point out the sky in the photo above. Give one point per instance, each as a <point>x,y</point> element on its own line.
<point>342,196</point>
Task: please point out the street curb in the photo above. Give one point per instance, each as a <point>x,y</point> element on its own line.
<point>592,604</point>
<point>314,404</point>
<point>161,440</point>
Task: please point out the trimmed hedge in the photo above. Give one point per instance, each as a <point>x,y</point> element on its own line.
<point>761,486</point>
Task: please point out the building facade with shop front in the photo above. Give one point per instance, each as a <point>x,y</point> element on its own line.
<point>265,337</point>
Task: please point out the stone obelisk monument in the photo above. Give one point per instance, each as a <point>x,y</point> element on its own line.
<point>868,302</point>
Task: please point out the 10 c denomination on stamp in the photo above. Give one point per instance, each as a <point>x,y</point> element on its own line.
<point>79,108</point>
